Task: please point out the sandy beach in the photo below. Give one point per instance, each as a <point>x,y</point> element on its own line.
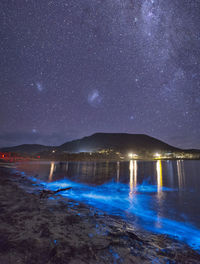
<point>57,230</point>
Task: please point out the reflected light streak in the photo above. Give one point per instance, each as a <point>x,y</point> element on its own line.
<point>159,175</point>
<point>159,191</point>
<point>133,176</point>
<point>181,174</point>
<point>135,173</point>
<point>107,169</point>
<point>94,169</point>
<point>170,172</point>
<point>118,170</point>
<point>51,171</point>
<point>67,166</point>
<point>78,168</point>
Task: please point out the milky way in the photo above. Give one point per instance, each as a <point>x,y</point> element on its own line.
<point>73,68</point>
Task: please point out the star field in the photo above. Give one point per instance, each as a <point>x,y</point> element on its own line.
<point>73,68</point>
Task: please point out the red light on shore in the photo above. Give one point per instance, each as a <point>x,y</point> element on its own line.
<point>38,157</point>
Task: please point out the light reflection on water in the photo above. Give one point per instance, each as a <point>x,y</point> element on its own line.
<point>161,196</point>
<point>133,177</point>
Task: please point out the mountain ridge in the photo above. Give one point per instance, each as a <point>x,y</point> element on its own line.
<point>118,141</point>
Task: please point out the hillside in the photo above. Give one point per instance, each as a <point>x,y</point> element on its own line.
<point>27,149</point>
<point>118,141</point>
<point>121,142</point>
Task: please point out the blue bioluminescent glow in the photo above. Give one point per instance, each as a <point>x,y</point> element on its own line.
<point>154,196</point>
<point>134,204</point>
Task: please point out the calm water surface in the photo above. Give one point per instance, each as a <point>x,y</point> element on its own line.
<point>160,196</point>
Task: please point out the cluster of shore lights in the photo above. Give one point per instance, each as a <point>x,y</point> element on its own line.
<point>135,156</point>
<point>157,155</point>
<point>132,155</point>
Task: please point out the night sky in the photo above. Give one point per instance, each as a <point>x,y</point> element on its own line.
<point>70,68</point>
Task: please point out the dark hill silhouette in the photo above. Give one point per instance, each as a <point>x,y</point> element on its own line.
<point>118,141</point>
<point>121,142</point>
<point>27,148</point>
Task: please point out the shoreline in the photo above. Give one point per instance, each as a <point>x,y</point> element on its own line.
<point>61,230</point>
<point>99,160</point>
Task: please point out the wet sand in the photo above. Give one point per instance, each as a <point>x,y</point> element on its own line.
<point>58,230</point>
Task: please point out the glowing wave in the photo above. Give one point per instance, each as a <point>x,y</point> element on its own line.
<point>115,198</point>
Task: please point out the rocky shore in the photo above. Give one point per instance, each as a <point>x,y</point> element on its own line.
<point>35,229</point>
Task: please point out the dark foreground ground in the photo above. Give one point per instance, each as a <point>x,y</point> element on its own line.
<point>36,230</point>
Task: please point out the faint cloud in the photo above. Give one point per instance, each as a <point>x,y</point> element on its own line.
<point>95,98</point>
